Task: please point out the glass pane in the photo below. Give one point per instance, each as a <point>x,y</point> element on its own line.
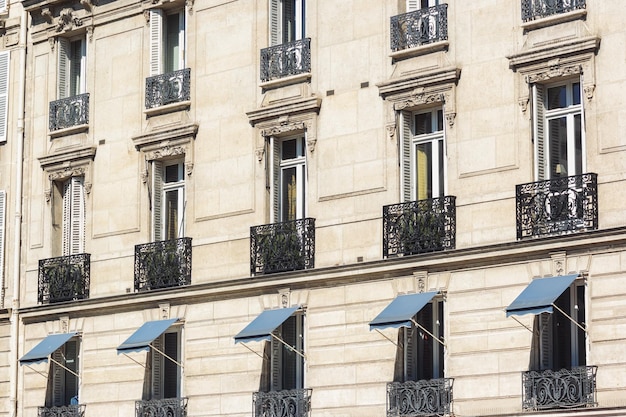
<point>172,173</point>
<point>172,43</point>
<point>423,123</point>
<point>557,97</point>
<point>76,56</point>
<point>170,369</point>
<point>580,317</point>
<point>290,150</point>
<point>578,143</point>
<point>289,194</point>
<point>576,93</point>
<point>171,214</point>
<point>558,147</point>
<point>439,120</point>
<point>423,170</point>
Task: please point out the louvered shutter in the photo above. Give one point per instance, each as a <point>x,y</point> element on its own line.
<point>545,341</point>
<point>58,379</point>
<point>277,361</point>
<point>157,369</point>
<point>538,131</point>
<point>77,217</point>
<point>274,20</point>
<point>405,156</point>
<point>583,127</point>
<point>157,200</point>
<point>412,5</point>
<point>3,198</point>
<point>4,94</point>
<point>170,369</point>
<point>3,6</point>
<point>63,48</point>
<point>276,190</point>
<point>67,219</point>
<point>156,41</point>
<point>410,354</point>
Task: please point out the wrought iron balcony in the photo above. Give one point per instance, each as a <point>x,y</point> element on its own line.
<point>286,246</point>
<point>558,206</point>
<point>288,403</point>
<point>69,112</point>
<point>537,9</point>
<point>567,388</point>
<point>281,61</point>
<point>169,407</point>
<point>421,398</point>
<point>419,226</point>
<point>172,87</point>
<point>64,411</point>
<point>163,264</point>
<point>64,278</point>
<point>419,27</point>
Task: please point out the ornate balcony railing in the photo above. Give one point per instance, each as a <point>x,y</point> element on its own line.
<point>557,206</point>
<point>68,112</point>
<point>288,403</point>
<point>567,388</point>
<point>421,398</point>
<point>419,27</point>
<point>64,411</point>
<point>286,246</point>
<point>64,278</point>
<point>163,264</point>
<point>169,407</point>
<point>172,87</point>
<point>281,61</point>
<point>419,226</point>
<point>537,9</point>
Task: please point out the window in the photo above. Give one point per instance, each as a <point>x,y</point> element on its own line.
<point>289,189</point>
<point>168,200</point>
<point>423,155</point>
<point>4,93</point>
<point>423,353</point>
<point>559,343</point>
<point>63,386</point>
<point>167,41</point>
<point>72,66</point>
<point>73,221</point>
<point>559,142</point>
<point>165,372</point>
<point>288,363</point>
<point>286,21</point>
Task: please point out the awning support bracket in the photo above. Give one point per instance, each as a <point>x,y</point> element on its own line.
<point>289,346</point>
<point>136,361</point>
<point>65,367</point>
<point>570,318</point>
<point>522,324</point>
<point>167,356</point>
<point>253,351</point>
<point>429,333</point>
<point>386,337</point>
<point>33,369</point>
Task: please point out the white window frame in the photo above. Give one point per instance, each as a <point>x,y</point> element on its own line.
<point>70,67</point>
<point>159,362</point>
<point>278,349</point>
<point>161,189</point>
<point>158,40</point>
<point>411,352</point>
<point>280,165</point>
<point>73,240</point>
<point>278,9</point>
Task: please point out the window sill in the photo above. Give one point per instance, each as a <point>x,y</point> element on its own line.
<point>419,50</point>
<point>168,108</point>
<point>554,19</point>
<point>281,82</point>
<point>68,131</point>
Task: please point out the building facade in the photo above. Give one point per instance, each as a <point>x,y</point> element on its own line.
<point>314,208</point>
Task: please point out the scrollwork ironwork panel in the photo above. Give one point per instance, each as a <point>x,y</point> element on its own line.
<point>64,278</point>
<point>163,264</point>
<point>567,388</point>
<point>68,112</point>
<point>168,407</point>
<point>537,9</point>
<point>419,398</point>
<point>279,247</point>
<point>290,58</point>
<point>172,87</point>
<point>419,27</point>
<point>557,206</point>
<point>287,403</point>
<point>63,411</point>
<point>419,226</point>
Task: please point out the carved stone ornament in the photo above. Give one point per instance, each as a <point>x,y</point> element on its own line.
<point>67,20</point>
<point>284,127</point>
<point>450,117</point>
<point>48,195</point>
<point>554,70</point>
<point>589,90</point>
<point>88,4</point>
<point>66,173</point>
<point>189,168</point>
<point>523,103</point>
<point>52,42</point>
<point>259,152</point>
<point>90,33</point>
<point>144,176</point>
<point>165,151</point>
<point>189,6</point>
<point>46,13</point>
<point>310,144</point>
<point>391,130</point>
<point>419,99</point>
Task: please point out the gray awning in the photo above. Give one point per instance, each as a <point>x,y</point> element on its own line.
<point>401,310</point>
<point>143,336</point>
<point>45,348</point>
<point>264,324</point>
<point>539,295</point>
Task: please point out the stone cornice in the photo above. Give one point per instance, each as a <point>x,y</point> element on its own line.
<point>550,51</point>
<point>288,108</point>
<point>396,86</point>
<point>67,158</point>
<point>172,136</point>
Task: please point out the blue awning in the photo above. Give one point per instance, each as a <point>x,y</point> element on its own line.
<point>401,310</point>
<point>143,336</point>
<point>264,324</point>
<point>539,295</point>
<point>45,348</point>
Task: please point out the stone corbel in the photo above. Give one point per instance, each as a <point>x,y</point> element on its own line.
<point>146,15</point>
<point>523,103</point>
<point>52,41</point>
<point>259,152</point>
<point>87,4</point>
<point>589,90</point>
<point>67,20</point>
<point>189,6</point>
<point>391,130</point>
<point>450,117</point>
<point>189,168</point>
<point>46,14</point>
<point>90,33</point>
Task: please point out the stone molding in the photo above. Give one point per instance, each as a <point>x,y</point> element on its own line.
<point>64,165</point>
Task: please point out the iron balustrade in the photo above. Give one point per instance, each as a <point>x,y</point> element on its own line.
<point>557,206</point>
<point>419,226</point>
<point>279,247</point>
<point>419,27</point>
<point>287,403</point>
<point>287,59</point>
<point>63,411</point>
<point>163,264</point>
<point>419,398</point>
<point>537,9</point>
<point>172,87</point>
<point>69,112</point>
<point>64,278</point>
<point>567,388</point>
<point>168,407</point>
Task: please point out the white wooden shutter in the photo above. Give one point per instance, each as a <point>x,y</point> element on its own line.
<point>78,215</point>
<point>157,369</point>
<point>4,93</point>
<point>3,6</point>
<point>3,198</point>
<point>276,191</point>
<point>538,131</point>
<point>412,5</point>
<point>405,156</point>
<point>67,213</point>
<point>274,20</point>
<point>157,200</point>
<point>63,49</point>
<point>156,41</point>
